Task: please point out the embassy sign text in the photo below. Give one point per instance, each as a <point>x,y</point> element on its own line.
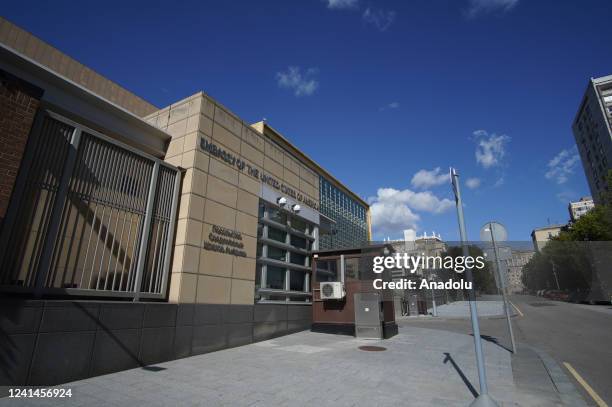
<point>225,240</point>
<point>254,172</point>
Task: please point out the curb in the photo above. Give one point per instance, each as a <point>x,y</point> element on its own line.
<point>566,388</point>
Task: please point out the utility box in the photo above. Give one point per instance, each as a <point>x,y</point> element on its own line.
<point>368,316</point>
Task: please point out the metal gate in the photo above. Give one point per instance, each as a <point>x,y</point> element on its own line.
<point>88,216</point>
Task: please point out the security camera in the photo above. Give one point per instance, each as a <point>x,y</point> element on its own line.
<point>296,208</point>
<point>282,201</point>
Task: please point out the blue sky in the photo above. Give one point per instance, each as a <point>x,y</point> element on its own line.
<point>375,91</point>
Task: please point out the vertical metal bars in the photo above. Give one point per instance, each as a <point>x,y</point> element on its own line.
<point>91,216</point>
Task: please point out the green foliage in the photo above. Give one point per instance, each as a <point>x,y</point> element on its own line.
<point>570,255</point>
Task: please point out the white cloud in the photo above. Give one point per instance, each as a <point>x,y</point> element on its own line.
<point>390,106</point>
<point>381,19</point>
<point>472,183</point>
<point>490,148</point>
<point>393,210</point>
<point>428,179</point>
<point>478,7</point>
<point>562,165</point>
<point>341,4</point>
<point>301,84</point>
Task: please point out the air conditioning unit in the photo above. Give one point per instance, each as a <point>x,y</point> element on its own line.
<point>332,290</point>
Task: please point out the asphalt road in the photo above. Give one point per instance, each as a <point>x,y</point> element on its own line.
<point>578,334</point>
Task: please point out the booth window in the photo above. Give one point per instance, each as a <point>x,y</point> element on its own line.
<point>351,268</point>
<point>327,270</point>
<point>284,241</point>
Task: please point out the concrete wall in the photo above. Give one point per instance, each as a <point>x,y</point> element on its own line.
<point>53,342</point>
<point>19,102</point>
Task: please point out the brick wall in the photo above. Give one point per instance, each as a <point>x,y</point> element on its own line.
<point>19,101</point>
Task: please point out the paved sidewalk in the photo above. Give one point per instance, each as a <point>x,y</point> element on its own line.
<point>421,367</point>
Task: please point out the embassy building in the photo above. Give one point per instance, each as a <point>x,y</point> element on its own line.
<point>132,234</point>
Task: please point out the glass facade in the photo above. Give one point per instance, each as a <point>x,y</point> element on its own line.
<point>283,265</point>
<point>351,227</point>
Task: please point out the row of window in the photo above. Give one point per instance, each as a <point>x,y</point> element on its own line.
<point>350,217</point>
<point>284,241</point>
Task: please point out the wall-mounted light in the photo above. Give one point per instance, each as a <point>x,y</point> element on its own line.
<point>296,208</point>
<point>281,201</point>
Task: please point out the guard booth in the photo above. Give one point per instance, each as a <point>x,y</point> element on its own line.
<point>344,298</point>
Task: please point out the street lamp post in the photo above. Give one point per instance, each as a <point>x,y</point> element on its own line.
<point>501,283</point>
<point>483,398</point>
<point>432,278</point>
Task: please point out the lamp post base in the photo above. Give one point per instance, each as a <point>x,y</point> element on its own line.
<point>484,400</point>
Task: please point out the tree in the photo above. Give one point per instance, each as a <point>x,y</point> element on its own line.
<point>572,256</point>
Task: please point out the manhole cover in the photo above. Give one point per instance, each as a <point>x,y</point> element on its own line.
<point>372,348</point>
<point>542,304</point>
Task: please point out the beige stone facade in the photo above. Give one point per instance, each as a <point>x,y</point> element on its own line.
<point>222,190</point>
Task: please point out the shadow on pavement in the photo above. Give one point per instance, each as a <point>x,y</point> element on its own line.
<point>493,340</point>
<point>449,358</point>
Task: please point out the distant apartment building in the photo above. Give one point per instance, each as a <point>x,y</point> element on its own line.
<point>592,129</point>
<point>580,207</point>
<point>541,236</point>
<point>514,267</point>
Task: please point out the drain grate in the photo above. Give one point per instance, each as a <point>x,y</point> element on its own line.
<point>542,304</point>
<point>372,348</point>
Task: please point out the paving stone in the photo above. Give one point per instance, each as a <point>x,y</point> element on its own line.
<point>309,368</point>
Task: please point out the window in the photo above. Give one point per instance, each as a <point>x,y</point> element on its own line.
<point>275,277</point>
<point>297,280</point>
<point>350,228</point>
<point>351,268</point>
<point>300,242</point>
<point>276,253</point>
<point>297,258</point>
<point>299,225</point>
<point>258,270</point>
<point>276,234</point>
<point>327,270</point>
<point>283,273</point>
<point>277,215</point>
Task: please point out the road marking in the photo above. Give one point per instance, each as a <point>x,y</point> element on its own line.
<point>598,400</point>
<point>517,309</point>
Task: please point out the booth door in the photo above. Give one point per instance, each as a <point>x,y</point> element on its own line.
<point>368,316</point>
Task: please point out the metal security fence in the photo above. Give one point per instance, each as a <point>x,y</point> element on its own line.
<point>89,216</point>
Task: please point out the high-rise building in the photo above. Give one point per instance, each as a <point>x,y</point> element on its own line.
<point>580,207</point>
<point>592,129</point>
